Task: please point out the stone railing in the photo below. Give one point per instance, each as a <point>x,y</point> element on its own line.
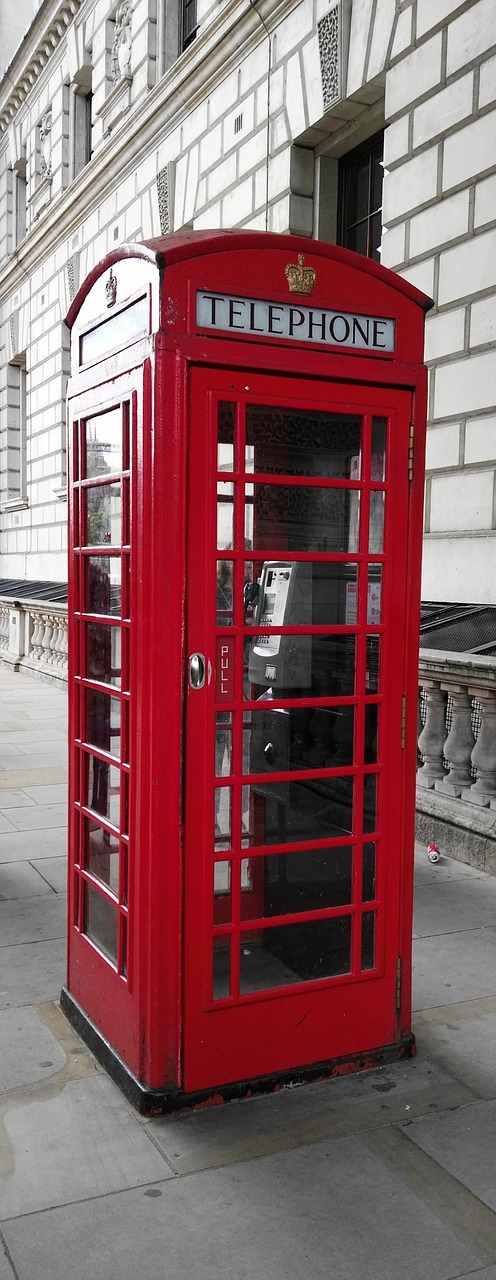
<point>33,637</point>
<point>456,778</point>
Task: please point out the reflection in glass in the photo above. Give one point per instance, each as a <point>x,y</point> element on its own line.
<point>104,653</point>
<point>368,873</point>
<point>373,658</point>
<point>226,425</point>
<point>300,738</point>
<point>100,922</point>
<point>376,522</point>
<point>301,518</point>
<point>103,721</point>
<point>370,802</point>
<point>223,744</point>
<point>222,892</point>
<point>104,515</point>
<point>305,593</point>
<point>285,954</point>
<point>371,731</point>
<point>317,809</point>
<point>300,442</point>
<point>104,789</point>
<point>104,443</point>
<point>221,973</point>
<point>222,817</point>
<point>103,855</point>
<point>224,596</point>
<point>103,585</point>
<point>374,595</point>
<point>287,883</point>
<point>225,515</point>
<point>378,462</point>
<point>368,939</point>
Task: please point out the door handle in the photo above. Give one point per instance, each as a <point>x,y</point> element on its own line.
<point>197,671</point>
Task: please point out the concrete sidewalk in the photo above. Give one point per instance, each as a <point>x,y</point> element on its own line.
<point>386,1174</point>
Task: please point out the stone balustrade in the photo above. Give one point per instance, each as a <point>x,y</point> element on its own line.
<point>33,638</point>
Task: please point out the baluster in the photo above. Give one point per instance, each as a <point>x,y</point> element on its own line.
<point>432,738</point>
<point>459,743</point>
<point>4,627</point>
<point>484,753</point>
<point>47,639</point>
<point>64,642</point>
<point>55,655</point>
<point>36,636</point>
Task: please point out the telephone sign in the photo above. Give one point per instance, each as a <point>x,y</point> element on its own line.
<point>244,583</point>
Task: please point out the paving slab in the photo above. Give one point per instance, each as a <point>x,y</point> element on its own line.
<point>55,794</point>
<point>464,1036</point>
<point>35,817</point>
<point>442,908</point>
<point>53,871</point>
<point>28,845</point>
<point>464,1142</point>
<point>31,972</point>
<point>23,880</point>
<point>24,776</point>
<point>6,1269</point>
<point>52,755</point>
<point>86,1141</point>
<point>426,872</point>
<point>29,920</point>
<point>29,1051</point>
<point>333,1210</point>
<point>15,797</point>
<point>310,1113</point>
<point>454,967</point>
<point>5,824</point>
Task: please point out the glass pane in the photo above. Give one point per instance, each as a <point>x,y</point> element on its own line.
<point>302,518</point>
<point>103,721</point>
<point>356,238</point>
<point>285,954</point>
<point>224,593</point>
<point>103,585</point>
<point>222,892</point>
<point>104,515</point>
<point>299,666</point>
<point>225,446</point>
<point>376,522</point>
<point>103,855</point>
<point>104,443</point>
<point>308,593</point>
<point>222,965</point>
<point>104,789</point>
<point>300,738</point>
<point>225,516</point>
<point>374,595</point>
<point>104,653</point>
<point>223,745</point>
<point>373,664</point>
<point>378,466</point>
<point>368,873</point>
<point>287,883</point>
<point>377,181</point>
<point>222,817</point>
<point>317,809</point>
<point>370,802</point>
<point>100,922</point>
<point>375,232</point>
<point>299,442</point>
<point>368,940</point>
<point>371,725</point>
<point>360,188</point>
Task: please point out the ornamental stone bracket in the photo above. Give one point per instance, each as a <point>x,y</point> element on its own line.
<point>40,199</point>
<point>116,105</point>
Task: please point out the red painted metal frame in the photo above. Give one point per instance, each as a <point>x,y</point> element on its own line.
<point>141,1021</point>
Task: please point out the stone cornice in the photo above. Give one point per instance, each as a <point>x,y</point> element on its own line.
<point>45,34</point>
<point>235,30</point>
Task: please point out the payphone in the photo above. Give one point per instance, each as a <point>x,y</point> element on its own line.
<point>246,424</point>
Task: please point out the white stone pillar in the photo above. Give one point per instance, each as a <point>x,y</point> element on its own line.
<point>484,752</point>
<point>432,738</point>
<point>459,743</point>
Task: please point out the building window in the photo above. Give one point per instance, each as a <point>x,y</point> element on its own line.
<point>14,466</point>
<point>20,200</point>
<point>189,22</point>
<point>360,181</point>
<point>81,130</point>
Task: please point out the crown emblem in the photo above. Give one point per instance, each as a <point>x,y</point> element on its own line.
<point>111,289</point>
<point>300,279</point>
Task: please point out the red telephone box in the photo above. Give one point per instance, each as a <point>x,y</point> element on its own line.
<point>247,420</point>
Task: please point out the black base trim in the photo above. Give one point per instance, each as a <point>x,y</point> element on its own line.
<point>160,1101</point>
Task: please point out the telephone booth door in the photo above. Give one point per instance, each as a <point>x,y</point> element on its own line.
<point>296,607</point>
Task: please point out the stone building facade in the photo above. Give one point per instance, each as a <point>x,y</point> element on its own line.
<point>124,121</point>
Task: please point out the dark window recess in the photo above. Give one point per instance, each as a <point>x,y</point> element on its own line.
<point>360,198</point>
<point>189,23</point>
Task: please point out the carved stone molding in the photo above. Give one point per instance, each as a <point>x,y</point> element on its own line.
<point>333,33</point>
<point>31,69</point>
<point>120,58</point>
<point>165,193</point>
